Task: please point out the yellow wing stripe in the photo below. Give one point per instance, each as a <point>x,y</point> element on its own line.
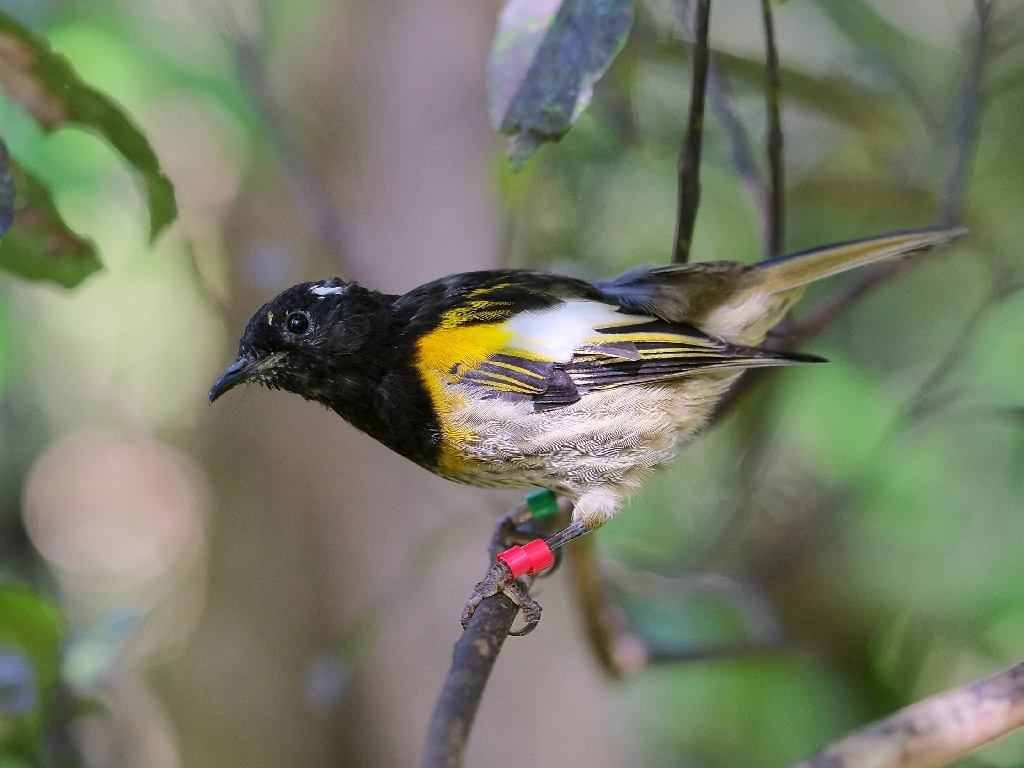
<point>515,368</point>
<point>655,338</point>
<point>500,380</point>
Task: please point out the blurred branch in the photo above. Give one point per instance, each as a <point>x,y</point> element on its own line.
<point>689,156</point>
<point>933,732</point>
<point>968,107</point>
<point>618,650</point>
<point>309,188</point>
<point>925,400</point>
<point>203,284</point>
<point>739,145</point>
<point>622,651</point>
<point>828,311</point>
<point>966,141</point>
<point>775,235</point>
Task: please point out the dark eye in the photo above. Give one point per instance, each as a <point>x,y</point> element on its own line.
<point>297,323</point>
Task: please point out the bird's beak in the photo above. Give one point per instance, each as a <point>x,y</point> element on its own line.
<point>242,370</point>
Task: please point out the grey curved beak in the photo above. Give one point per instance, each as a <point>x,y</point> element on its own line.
<point>242,370</point>
<point>238,372</point>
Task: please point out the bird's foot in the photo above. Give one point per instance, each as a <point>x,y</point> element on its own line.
<point>499,580</point>
<point>516,565</point>
<point>519,526</point>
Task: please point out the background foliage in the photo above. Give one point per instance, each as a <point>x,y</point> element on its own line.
<point>258,585</point>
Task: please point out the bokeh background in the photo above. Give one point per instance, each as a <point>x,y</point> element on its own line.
<point>258,585</point>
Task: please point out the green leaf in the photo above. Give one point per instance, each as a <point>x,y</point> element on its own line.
<point>31,636</point>
<point>47,87</point>
<point>877,39</point>
<point>547,56</point>
<point>838,416</point>
<point>39,246</point>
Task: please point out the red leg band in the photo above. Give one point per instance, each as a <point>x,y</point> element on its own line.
<point>529,560</point>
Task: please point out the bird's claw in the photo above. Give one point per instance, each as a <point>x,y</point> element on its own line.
<point>499,581</point>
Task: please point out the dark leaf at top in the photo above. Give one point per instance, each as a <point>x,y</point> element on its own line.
<point>547,56</point>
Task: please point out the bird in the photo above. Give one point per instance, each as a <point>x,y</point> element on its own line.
<point>512,378</point>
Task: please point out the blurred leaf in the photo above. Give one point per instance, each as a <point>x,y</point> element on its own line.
<point>31,636</point>
<point>546,58</point>
<point>838,416</point>
<point>876,38</point>
<point>40,246</point>
<point>740,713</point>
<point>47,87</point>
<point>903,203</point>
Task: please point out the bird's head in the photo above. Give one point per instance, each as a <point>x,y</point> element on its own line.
<point>306,340</point>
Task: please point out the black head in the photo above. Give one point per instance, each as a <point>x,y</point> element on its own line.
<point>306,340</point>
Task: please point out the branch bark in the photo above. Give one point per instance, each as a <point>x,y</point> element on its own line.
<point>933,732</point>
<point>475,654</point>
<point>773,95</point>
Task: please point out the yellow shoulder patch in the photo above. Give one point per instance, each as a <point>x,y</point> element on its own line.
<point>443,356</point>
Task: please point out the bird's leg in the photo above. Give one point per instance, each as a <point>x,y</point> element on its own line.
<point>521,525</point>
<point>573,530</point>
<point>514,527</point>
<point>521,563</point>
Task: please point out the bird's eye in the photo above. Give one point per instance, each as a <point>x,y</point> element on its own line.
<point>297,323</point>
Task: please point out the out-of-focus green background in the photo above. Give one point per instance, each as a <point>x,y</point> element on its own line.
<point>258,585</point>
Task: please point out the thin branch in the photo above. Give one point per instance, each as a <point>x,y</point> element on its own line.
<point>968,107</point>
<point>689,156</point>
<point>475,654</point>
<point>739,144</point>
<point>834,307</point>
<point>933,732</point>
<point>309,188</point>
<point>925,398</point>
<point>775,236</point>
<point>740,149</point>
<point>924,395</point>
<point>828,311</point>
<point>622,651</point>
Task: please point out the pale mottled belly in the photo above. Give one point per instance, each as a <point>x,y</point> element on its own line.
<point>614,437</point>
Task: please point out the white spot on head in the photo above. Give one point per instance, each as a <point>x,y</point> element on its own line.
<point>327,290</point>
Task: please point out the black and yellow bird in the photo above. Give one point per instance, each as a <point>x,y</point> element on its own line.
<point>516,378</point>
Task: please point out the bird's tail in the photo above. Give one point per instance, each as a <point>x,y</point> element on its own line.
<point>765,292</point>
<point>799,269</point>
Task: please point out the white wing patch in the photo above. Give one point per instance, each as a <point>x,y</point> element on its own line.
<point>557,332</point>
